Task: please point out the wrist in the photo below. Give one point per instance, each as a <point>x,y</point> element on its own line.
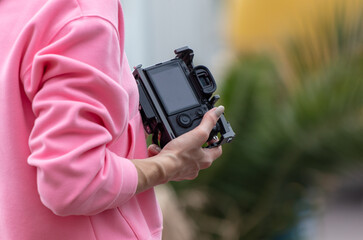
<point>153,171</point>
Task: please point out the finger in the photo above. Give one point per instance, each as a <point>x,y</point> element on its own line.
<point>208,122</point>
<point>198,136</point>
<point>153,150</point>
<point>213,153</point>
<point>211,117</point>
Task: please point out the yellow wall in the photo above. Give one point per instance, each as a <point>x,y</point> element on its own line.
<point>256,24</point>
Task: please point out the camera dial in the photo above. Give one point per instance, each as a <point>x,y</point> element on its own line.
<point>184,120</point>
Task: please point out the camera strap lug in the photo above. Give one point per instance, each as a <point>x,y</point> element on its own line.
<point>214,99</point>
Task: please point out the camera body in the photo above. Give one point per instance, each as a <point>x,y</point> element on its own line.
<point>175,95</point>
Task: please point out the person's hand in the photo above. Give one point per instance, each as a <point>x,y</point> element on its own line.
<point>182,158</point>
<point>185,156</point>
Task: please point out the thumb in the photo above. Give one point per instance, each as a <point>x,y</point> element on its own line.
<point>153,150</point>
<point>210,119</point>
<point>201,133</point>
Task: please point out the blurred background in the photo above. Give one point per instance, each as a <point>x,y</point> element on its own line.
<point>290,74</point>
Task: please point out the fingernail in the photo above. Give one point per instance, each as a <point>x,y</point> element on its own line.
<point>219,111</point>
<point>157,148</point>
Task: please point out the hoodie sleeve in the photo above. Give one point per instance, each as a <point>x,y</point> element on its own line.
<point>80,109</point>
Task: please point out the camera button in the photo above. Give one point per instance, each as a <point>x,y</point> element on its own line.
<point>199,112</point>
<point>184,120</point>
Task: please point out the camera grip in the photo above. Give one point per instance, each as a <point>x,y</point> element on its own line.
<point>224,129</point>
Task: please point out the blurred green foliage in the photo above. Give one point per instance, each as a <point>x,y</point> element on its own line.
<point>285,134</point>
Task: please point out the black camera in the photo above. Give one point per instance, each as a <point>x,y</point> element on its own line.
<point>175,95</point>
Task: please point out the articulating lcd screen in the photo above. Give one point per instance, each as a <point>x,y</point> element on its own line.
<point>173,88</point>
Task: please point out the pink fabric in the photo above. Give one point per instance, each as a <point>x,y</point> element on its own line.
<point>69,125</point>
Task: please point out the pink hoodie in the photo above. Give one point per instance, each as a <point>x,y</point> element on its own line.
<point>69,125</point>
